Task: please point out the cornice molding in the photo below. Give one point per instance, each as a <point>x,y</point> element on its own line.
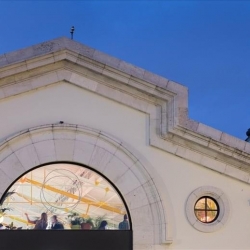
<point>164,101</point>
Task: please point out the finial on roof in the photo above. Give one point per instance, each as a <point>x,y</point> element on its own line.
<point>248,134</point>
<point>72,32</point>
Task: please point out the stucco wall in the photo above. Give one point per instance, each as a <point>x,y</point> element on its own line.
<point>178,178</point>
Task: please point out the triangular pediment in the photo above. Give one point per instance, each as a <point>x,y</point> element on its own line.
<point>166,102</point>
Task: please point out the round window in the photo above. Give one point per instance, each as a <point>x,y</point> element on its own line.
<point>206,209</point>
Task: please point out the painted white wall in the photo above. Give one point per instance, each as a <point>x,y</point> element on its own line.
<point>63,102</point>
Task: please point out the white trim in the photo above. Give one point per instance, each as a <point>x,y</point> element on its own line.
<point>222,201</point>
<point>102,152</point>
<point>165,101</point>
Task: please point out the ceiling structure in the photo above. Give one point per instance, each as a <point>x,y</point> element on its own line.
<point>60,189</point>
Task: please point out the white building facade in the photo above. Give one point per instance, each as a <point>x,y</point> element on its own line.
<point>61,101</point>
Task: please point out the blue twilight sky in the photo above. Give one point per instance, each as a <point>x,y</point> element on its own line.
<point>204,45</point>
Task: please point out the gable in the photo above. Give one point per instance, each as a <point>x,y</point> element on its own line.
<point>163,101</point>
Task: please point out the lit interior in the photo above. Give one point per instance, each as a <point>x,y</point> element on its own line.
<point>61,189</point>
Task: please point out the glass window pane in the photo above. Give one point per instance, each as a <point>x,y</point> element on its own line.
<point>73,193</point>
<point>211,204</point>
<point>206,209</point>
<point>200,204</point>
<point>211,215</point>
<point>200,215</point>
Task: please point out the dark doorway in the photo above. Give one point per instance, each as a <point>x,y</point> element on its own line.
<point>66,240</point>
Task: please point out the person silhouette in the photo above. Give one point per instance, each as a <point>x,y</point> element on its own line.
<point>103,225</point>
<point>56,225</point>
<point>124,225</point>
<point>40,224</point>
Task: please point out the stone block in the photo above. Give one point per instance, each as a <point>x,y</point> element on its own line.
<point>163,144</point>
<point>28,157</point>
<point>19,55</point>
<point>163,83</point>
<point>62,132</point>
<point>150,77</point>
<point>190,207</point>
<point>126,157</point>
<point>135,102</point>
<point>100,158</point>
<point>39,62</point>
<point>237,173</point>
<point>3,60</point>
<point>64,149</point>
<point>127,182</point>
<point>151,191</point>
<point>8,80</point>
<point>140,172</point>
<point>131,69</point>
<point>70,56</point>
<point>92,65</point>
<point>44,80</point>
<point>209,131</point>
<point>64,75</point>
<point>83,152</point>
<point>182,100</point>
<point>45,48</point>
<point>213,164</point>
<point>78,47</point>
<point>5,151</point>
<point>46,151</point>
<point>106,59</point>
<point>193,155</point>
<point>247,147</point>
<point>136,198</point>
<point>17,88</point>
<point>41,134</point>
<point>115,169</point>
<point>106,143</point>
<point>5,181</point>
<point>233,141</point>
<point>111,93</point>
<point>115,75</point>
<point>87,137</point>
<point>177,88</point>
<point>63,54</point>
<point>12,167</point>
<point>83,82</point>
<point>20,141</point>
<point>191,125</point>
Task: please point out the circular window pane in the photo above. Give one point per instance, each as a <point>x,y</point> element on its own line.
<point>206,209</point>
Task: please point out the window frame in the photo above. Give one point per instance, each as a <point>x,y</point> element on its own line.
<point>206,209</point>
<point>223,205</point>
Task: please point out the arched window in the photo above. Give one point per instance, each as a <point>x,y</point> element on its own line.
<point>79,197</point>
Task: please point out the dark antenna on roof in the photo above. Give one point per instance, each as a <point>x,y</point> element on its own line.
<point>72,32</point>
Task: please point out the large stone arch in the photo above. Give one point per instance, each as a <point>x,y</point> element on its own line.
<point>100,151</point>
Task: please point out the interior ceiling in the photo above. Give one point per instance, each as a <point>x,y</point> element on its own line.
<point>60,189</point>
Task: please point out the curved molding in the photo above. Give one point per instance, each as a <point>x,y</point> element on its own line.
<point>222,201</point>
<point>101,152</point>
